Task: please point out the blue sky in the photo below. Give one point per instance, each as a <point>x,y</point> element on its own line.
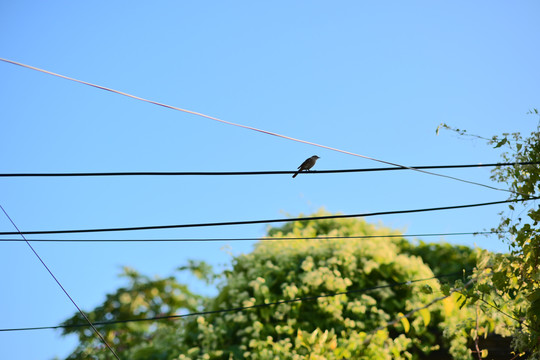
<point>374,78</point>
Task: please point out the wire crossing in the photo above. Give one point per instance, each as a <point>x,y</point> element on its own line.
<point>240,308</point>
<point>250,222</point>
<point>63,289</point>
<point>234,173</point>
<point>252,128</point>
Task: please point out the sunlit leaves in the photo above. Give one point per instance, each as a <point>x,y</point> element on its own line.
<point>425,314</point>
<point>333,327</point>
<point>515,277</point>
<point>142,298</point>
<point>404,322</point>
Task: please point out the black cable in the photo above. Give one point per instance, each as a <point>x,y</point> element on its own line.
<point>256,129</point>
<point>251,127</point>
<point>222,173</point>
<point>499,310</point>
<point>502,312</point>
<point>241,308</point>
<point>249,222</point>
<point>260,238</point>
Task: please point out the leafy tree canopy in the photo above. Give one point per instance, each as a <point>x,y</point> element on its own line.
<point>515,277</point>
<point>143,297</point>
<point>333,327</point>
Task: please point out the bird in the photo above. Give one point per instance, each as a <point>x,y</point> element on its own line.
<point>307,164</point>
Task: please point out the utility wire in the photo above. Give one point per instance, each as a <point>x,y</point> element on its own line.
<point>412,312</point>
<point>249,222</point>
<point>240,308</point>
<point>63,289</point>
<point>259,238</point>
<point>504,313</point>
<point>224,173</point>
<point>252,128</point>
<point>496,308</point>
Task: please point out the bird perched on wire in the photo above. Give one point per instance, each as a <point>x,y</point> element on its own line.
<point>307,164</point>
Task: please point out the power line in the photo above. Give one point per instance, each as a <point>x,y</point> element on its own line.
<point>225,173</point>
<point>260,238</point>
<point>496,308</point>
<point>241,308</point>
<point>412,312</point>
<point>502,312</point>
<point>63,289</point>
<point>250,222</point>
<point>250,127</point>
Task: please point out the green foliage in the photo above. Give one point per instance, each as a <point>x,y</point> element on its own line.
<point>442,258</point>
<point>142,298</point>
<point>515,277</point>
<point>333,327</point>
<point>201,270</point>
<point>327,328</point>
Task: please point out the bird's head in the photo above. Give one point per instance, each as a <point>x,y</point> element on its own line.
<point>315,157</point>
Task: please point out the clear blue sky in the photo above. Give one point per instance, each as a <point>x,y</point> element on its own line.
<point>375,78</point>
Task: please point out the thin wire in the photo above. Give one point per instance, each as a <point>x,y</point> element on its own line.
<point>241,308</point>
<point>61,287</point>
<point>260,239</point>
<point>502,312</point>
<point>225,173</point>
<point>251,128</point>
<point>412,312</point>
<point>249,222</point>
<point>409,314</point>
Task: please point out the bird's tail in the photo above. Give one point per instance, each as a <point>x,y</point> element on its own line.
<point>296,173</point>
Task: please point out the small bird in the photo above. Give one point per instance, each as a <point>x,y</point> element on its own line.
<point>307,164</point>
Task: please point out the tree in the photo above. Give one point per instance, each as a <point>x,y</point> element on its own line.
<point>333,327</point>
<point>515,277</point>
<point>142,298</point>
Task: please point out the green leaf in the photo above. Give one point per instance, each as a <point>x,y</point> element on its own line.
<point>426,316</point>
<point>534,296</point>
<point>484,353</point>
<point>404,322</point>
<point>484,288</point>
<point>445,288</point>
<point>501,143</point>
<point>534,309</point>
<point>313,336</point>
<point>463,301</point>
<point>499,279</point>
